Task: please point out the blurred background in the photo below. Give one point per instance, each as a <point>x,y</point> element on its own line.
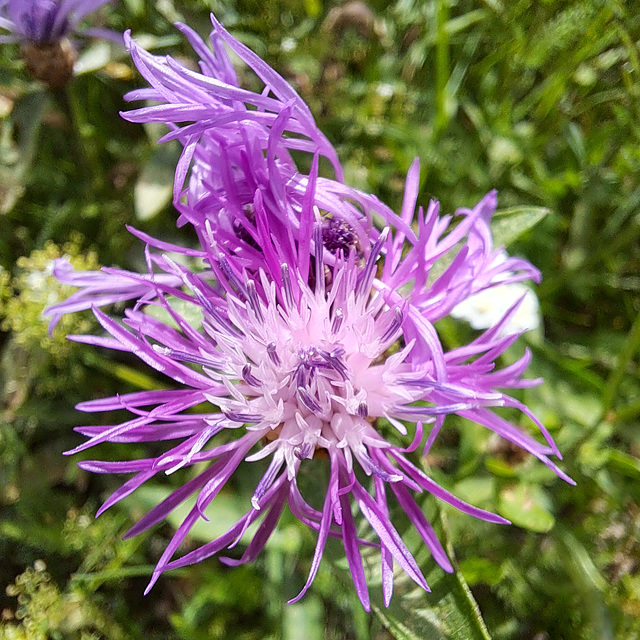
<point>537,99</point>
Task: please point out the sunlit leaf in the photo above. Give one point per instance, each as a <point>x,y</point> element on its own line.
<point>525,506</point>
<point>94,57</point>
<point>228,510</point>
<point>449,612</point>
<point>477,570</point>
<point>508,225</point>
<point>154,187</point>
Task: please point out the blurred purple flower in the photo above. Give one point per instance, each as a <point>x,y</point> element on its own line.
<point>44,28</point>
<point>307,331</point>
<point>44,21</point>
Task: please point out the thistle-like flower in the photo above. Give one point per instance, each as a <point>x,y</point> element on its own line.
<point>237,142</point>
<point>43,29</point>
<point>293,370</point>
<point>310,332</point>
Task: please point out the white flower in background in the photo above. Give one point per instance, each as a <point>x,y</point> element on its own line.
<point>486,308</point>
<point>483,310</point>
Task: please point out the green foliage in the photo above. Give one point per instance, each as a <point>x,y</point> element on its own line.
<point>49,359</point>
<point>45,612</point>
<point>450,612</point>
<point>34,288</point>
<point>539,100</point>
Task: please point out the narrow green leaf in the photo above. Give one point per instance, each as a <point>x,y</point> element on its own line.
<point>577,554</point>
<point>94,57</point>
<point>190,312</point>
<point>304,620</point>
<point>154,188</point>
<point>624,463</point>
<point>500,468</point>
<point>135,377</point>
<point>228,510</point>
<point>592,586</point>
<point>455,25</point>
<point>509,224</point>
<point>18,138</point>
<point>115,574</point>
<point>136,7</point>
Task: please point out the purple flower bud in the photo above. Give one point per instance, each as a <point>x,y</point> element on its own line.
<point>44,28</point>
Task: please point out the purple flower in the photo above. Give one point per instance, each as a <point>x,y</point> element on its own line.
<point>44,21</point>
<point>237,142</point>
<point>292,371</point>
<point>297,330</point>
<point>99,288</point>
<point>43,27</point>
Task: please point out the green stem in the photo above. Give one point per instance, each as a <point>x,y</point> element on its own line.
<point>86,155</point>
<point>115,574</point>
<point>442,65</point>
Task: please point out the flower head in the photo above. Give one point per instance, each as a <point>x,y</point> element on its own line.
<point>291,371</point>
<point>43,27</point>
<point>310,333</point>
<point>238,142</point>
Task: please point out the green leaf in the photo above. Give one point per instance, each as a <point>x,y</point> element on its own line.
<point>449,612</point>
<point>624,463</point>
<point>135,377</point>
<point>136,7</point>
<point>576,554</point>
<point>18,142</point>
<point>456,25</point>
<point>477,570</point>
<point>589,583</point>
<point>191,313</point>
<point>525,506</point>
<point>154,188</point>
<point>476,490</point>
<point>94,57</point>
<point>500,468</point>
<point>312,7</point>
<point>508,225</point>
<point>114,575</point>
<point>228,510</point>
<point>304,620</point>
